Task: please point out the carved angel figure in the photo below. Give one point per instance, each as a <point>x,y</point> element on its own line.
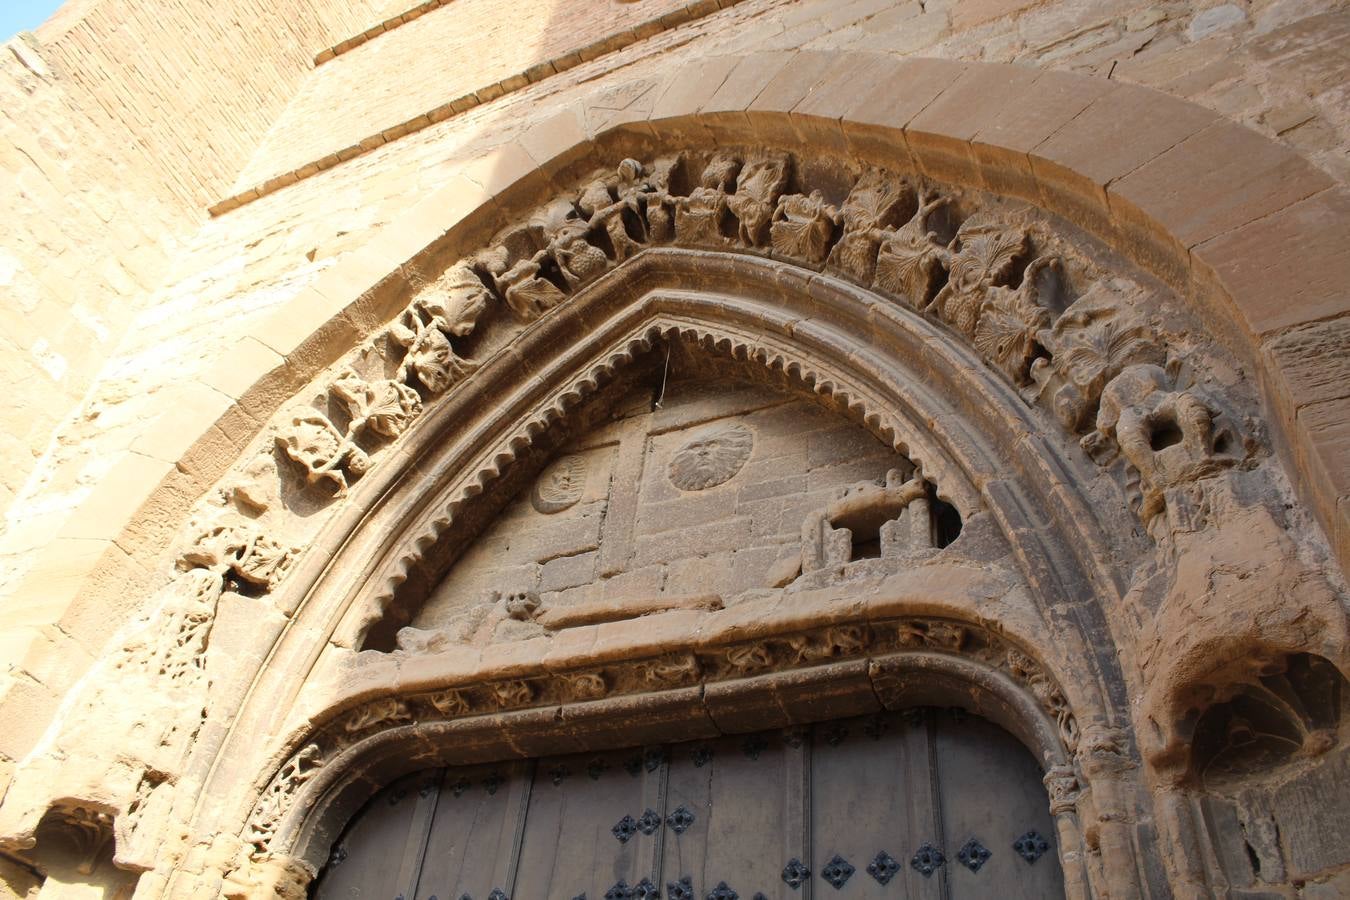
<point>802,227</point>
<point>1169,437</point>
<point>758,188</point>
<point>326,453</point>
<point>384,406</point>
<point>699,217</point>
<point>871,207</point>
<point>910,257</point>
<point>1010,320</point>
<point>986,257</point>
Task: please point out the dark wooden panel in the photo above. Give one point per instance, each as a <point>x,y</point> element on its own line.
<point>872,795</point>
<point>838,797</point>
<point>737,789</point>
<point>368,859</point>
<point>470,848</point>
<point>569,845</point>
<point>991,793</point>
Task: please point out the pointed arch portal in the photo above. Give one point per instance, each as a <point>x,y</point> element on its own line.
<point>706,431</point>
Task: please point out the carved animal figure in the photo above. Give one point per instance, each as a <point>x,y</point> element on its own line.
<point>1168,436</point>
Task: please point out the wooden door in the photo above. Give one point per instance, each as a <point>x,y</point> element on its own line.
<point>922,804</point>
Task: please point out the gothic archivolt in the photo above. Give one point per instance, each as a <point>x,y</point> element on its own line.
<point>1141,409</point>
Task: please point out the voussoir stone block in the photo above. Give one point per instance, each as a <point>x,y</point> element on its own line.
<point>939,135</point>
<point>1287,268</point>
<point>1115,134</point>
<point>874,122</point>
<point>768,112</point>
<point>1217,180</point>
<point>724,113</point>
<point>816,116</point>
<point>1002,143</point>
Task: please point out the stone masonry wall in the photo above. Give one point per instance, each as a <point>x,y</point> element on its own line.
<point>723,539</point>
<point>1280,67</point>
<point>350,97</point>
<point>119,122</point>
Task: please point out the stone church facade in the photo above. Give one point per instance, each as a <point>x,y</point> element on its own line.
<point>761,448</point>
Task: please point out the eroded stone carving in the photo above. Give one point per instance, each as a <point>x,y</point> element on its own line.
<point>802,227</point>
<point>384,406</point>
<point>711,458</point>
<point>1100,333</point>
<point>275,800</point>
<point>897,514</point>
<point>1169,437</point>
<point>910,258</point>
<point>310,439</point>
<point>867,217</point>
<point>699,217</point>
<point>984,256</point>
<point>560,485</point>
<point>759,184</point>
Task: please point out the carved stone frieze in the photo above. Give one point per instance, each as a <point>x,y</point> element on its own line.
<point>988,278</point>
<point>815,647</point>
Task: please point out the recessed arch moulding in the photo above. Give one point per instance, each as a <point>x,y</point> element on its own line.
<point>1082,531</point>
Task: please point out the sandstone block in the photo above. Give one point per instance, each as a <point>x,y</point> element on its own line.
<point>1288,268</point>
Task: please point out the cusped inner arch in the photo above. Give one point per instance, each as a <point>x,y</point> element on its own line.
<point>694,486</point>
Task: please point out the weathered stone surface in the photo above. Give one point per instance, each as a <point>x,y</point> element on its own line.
<point>1136,592</point>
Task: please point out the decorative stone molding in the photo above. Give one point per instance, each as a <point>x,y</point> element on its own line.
<point>988,280</point>
<point>1089,362</point>
<point>677,668</point>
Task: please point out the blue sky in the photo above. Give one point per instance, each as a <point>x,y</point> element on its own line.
<point>24,15</point>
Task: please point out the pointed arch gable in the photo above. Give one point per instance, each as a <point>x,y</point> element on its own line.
<point>787,319</point>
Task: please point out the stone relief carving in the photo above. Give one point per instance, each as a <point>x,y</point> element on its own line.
<point>868,216</point>
<point>312,440</point>
<point>699,217</point>
<point>896,514</point>
<point>1096,366</point>
<point>818,646</point>
<point>802,227</point>
<point>991,283</point>
<point>911,258</point>
<point>759,184</point>
<point>711,458</point>
<point>560,485</point>
<point>1169,437</point>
